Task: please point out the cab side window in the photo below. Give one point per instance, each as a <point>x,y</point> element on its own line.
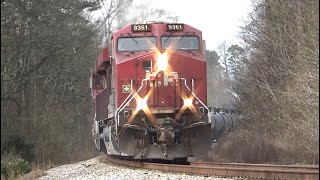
<point>98,81</point>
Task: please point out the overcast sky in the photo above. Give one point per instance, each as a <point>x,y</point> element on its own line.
<point>219,20</point>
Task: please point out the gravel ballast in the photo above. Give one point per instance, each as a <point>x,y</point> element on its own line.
<point>95,169</point>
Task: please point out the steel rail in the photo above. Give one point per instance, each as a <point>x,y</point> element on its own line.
<point>240,170</point>
<point>256,166</point>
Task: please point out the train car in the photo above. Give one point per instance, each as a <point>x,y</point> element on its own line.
<point>149,93</point>
<point>222,123</point>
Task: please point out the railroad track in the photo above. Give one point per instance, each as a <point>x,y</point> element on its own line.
<point>240,170</point>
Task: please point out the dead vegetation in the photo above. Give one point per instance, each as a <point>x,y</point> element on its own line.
<point>47,52</point>
<point>34,174</point>
<point>245,147</point>
<point>278,86</point>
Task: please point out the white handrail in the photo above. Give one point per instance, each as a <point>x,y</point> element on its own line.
<point>117,113</point>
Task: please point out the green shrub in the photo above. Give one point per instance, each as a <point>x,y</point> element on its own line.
<point>15,167</point>
<point>4,170</point>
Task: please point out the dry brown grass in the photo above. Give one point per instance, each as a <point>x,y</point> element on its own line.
<point>35,173</point>
<point>279,86</point>
<point>243,146</point>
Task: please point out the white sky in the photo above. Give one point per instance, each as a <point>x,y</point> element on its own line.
<point>219,20</point>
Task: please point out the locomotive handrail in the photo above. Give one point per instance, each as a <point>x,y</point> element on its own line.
<point>185,83</point>
<point>117,116</point>
<point>142,84</point>
<point>118,111</point>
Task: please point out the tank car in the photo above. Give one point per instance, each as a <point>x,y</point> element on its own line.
<point>222,122</point>
<point>149,92</point>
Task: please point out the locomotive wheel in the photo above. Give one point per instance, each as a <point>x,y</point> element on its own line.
<point>98,142</point>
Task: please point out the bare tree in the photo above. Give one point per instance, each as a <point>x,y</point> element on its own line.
<point>280,82</point>
<point>118,13</point>
<point>223,52</point>
<point>46,52</point>
<point>112,12</point>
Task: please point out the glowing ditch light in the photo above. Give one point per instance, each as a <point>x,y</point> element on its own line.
<point>187,102</point>
<point>141,104</point>
<point>162,62</point>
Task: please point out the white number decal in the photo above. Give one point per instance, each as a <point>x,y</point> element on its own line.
<point>175,27</point>
<point>140,27</point>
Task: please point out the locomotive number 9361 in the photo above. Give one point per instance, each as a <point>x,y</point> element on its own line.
<point>149,93</point>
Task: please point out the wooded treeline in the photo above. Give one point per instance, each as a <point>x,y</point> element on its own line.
<point>47,51</point>
<point>277,82</point>
<point>222,70</point>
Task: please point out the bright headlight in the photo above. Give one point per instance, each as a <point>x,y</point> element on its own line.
<point>187,102</point>
<point>162,62</point>
<point>141,104</point>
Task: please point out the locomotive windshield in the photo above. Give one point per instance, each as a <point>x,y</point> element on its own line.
<point>180,42</point>
<point>136,43</point>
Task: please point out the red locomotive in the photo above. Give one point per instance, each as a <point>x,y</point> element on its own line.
<point>150,93</point>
